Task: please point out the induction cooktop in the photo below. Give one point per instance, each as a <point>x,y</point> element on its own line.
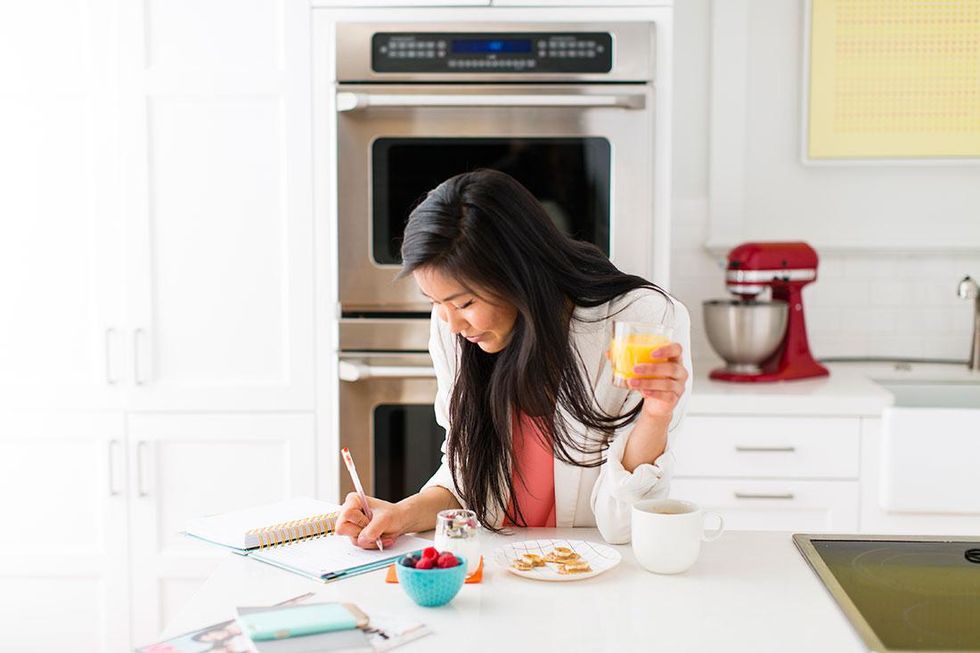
<point>902,593</point>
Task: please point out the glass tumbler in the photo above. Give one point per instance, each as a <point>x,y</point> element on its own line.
<point>631,344</point>
<point>459,531</point>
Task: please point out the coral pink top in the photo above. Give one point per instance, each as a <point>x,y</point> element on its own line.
<point>534,474</point>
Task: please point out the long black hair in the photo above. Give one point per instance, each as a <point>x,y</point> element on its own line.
<point>484,229</point>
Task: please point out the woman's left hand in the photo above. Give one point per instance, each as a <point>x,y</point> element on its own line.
<point>665,381</point>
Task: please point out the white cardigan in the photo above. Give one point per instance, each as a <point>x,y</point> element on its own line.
<point>587,496</point>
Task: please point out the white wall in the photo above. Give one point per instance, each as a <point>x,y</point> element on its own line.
<point>865,303</point>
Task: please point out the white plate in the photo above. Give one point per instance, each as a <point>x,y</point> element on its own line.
<point>599,556</point>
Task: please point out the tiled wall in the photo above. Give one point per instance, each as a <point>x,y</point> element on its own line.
<point>862,304</point>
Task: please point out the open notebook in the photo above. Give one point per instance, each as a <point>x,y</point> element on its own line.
<point>297,535</point>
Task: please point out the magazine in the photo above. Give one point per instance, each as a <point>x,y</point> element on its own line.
<point>384,632</point>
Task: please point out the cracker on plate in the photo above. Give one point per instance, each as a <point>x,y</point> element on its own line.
<point>576,567</point>
<point>520,564</point>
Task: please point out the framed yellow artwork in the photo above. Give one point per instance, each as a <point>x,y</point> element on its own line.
<point>892,79</point>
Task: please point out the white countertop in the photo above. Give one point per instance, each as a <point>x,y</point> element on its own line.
<point>848,391</point>
<point>749,591</point>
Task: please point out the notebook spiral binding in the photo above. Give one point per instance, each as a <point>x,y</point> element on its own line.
<point>293,531</point>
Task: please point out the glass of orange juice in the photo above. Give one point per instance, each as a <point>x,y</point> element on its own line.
<point>632,344</point>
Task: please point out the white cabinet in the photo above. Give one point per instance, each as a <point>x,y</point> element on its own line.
<point>156,229</point>
<point>186,466</point>
<point>156,251</point>
<point>60,249</point>
<point>93,506</point>
<point>63,550</point>
<point>768,447</point>
<point>216,137</point>
<point>771,473</point>
<point>771,505</point>
<point>876,517</point>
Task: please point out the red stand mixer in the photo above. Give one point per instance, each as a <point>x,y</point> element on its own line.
<point>764,341</point>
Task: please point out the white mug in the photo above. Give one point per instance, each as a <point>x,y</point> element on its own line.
<point>667,534</point>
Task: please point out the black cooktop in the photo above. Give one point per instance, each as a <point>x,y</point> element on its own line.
<point>902,593</point>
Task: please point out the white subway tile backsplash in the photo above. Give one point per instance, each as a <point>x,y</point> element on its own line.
<point>823,319</point>
<point>831,268</point>
<point>862,305</point>
<point>888,293</point>
<point>931,267</point>
<point>874,320</point>
<point>872,267</point>
<point>837,292</point>
<point>838,345</point>
<point>935,293</point>
<point>953,347</point>
<point>896,345</point>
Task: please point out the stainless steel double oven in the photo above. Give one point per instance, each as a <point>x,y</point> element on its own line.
<point>567,109</point>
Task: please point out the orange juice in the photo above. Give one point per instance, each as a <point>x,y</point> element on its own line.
<point>631,349</point>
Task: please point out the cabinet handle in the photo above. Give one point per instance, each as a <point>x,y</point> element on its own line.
<point>741,449</point>
<point>113,446</point>
<point>754,495</point>
<point>109,333</point>
<point>136,356</point>
<point>140,447</point>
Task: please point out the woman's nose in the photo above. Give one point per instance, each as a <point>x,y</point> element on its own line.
<point>456,323</point>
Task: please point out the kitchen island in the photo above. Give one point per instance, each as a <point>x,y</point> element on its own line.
<point>749,591</point>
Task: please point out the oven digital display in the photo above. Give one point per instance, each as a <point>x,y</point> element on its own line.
<point>491,46</point>
<point>498,53</point>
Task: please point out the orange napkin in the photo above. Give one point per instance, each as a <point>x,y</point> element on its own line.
<point>475,577</point>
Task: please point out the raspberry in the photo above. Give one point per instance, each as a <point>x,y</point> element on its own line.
<point>446,560</point>
<point>430,552</point>
<point>425,563</point>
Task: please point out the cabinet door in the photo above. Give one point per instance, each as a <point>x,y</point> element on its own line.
<point>769,505</point>
<point>933,463</point>
<point>186,466</point>
<point>63,551</point>
<point>218,195</point>
<point>768,447</point>
<point>60,253</point>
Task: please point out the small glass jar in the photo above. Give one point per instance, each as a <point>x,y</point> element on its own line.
<point>459,531</point>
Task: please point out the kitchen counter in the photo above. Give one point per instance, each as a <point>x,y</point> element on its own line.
<point>749,591</point>
<point>848,391</point>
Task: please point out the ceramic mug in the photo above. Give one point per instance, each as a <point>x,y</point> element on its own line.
<point>667,534</point>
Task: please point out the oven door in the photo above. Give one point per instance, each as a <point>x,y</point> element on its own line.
<point>585,151</point>
<point>388,422</point>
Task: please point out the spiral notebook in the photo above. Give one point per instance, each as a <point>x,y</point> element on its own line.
<point>297,535</point>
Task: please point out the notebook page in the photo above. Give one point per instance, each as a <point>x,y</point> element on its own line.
<point>326,555</point>
<point>229,528</point>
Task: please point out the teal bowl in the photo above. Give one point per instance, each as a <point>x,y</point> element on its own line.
<point>431,587</point>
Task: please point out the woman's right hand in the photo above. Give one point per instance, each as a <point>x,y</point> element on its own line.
<point>386,523</point>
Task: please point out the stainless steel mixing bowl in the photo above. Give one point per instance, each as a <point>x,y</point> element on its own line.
<point>745,332</point>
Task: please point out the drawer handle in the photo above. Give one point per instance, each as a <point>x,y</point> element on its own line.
<point>741,449</point>
<point>754,495</point>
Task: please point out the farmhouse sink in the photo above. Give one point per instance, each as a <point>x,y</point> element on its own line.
<point>930,444</point>
<point>934,394</point>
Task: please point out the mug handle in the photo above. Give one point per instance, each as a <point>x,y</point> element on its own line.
<point>715,534</point>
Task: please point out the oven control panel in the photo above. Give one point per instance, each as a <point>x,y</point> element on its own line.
<point>474,52</point>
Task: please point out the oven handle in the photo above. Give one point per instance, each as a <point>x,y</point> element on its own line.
<point>351,372</point>
<point>347,101</point>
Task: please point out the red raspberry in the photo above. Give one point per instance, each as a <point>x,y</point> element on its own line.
<point>446,560</point>
<point>425,563</point>
<point>430,552</point>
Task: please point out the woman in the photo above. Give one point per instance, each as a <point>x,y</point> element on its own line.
<point>537,435</point>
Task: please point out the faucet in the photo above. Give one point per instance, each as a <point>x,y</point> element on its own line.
<point>968,289</point>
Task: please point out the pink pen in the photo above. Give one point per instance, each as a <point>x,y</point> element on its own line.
<point>345,453</point>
